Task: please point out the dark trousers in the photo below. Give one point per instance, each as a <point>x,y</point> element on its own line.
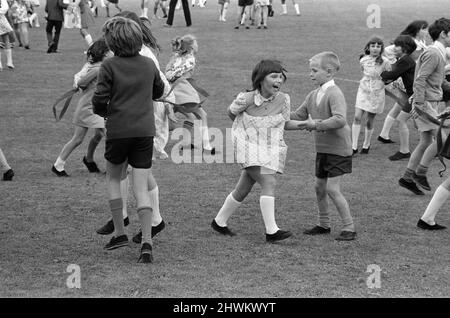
<point>187,13</point>
<point>49,29</point>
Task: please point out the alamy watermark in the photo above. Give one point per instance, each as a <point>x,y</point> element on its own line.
<point>374,279</point>
<point>374,19</point>
<point>74,279</point>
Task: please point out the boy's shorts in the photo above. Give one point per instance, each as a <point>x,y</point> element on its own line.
<point>423,124</point>
<point>329,165</point>
<point>137,150</point>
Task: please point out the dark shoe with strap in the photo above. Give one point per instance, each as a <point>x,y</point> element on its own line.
<point>108,228</point>
<point>385,141</point>
<point>317,230</point>
<point>155,230</point>
<point>8,175</point>
<point>425,226</point>
<point>92,166</point>
<point>117,242</point>
<point>222,229</point>
<point>355,151</point>
<point>410,185</point>
<point>59,173</point>
<point>346,236</point>
<point>278,236</point>
<point>399,156</point>
<point>422,181</point>
<point>365,151</point>
<point>146,255</point>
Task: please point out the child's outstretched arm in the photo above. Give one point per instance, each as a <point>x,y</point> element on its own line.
<point>301,113</point>
<point>237,106</point>
<point>338,108</point>
<point>179,67</point>
<point>91,75</point>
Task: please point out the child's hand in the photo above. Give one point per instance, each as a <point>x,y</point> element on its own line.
<point>310,124</point>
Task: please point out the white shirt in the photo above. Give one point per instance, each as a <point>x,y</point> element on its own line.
<point>259,99</point>
<point>441,48</point>
<point>322,90</point>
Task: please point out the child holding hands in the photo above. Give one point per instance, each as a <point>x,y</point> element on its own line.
<point>264,110</point>
<point>324,111</point>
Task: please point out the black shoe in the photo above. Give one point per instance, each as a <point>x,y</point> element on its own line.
<point>146,254</point>
<point>155,230</point>
<point>51,48</point>
<point>222,229</point>
<point>355,151</point>
<point>108,228</point>
<point>365,151</point>
<point>385,141</point>
<point>59,173</point>
<point>236,27</point>
<point>425,226</point>
<point>317,230</point>
<point>346,236</point>
<point>212,151</point>
<point>92,166</point>
<point>399,156</point>
<point>27,47</point>
<point>422,181</point>
<point>410,185</point>
<point>278,236</point>
<point>8,175</point>
<point>117,242</point>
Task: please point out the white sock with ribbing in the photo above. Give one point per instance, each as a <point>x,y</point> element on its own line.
<point>440,196</point>
<point>267,204</point>
<point>356,129</point>
<point>228,208</point>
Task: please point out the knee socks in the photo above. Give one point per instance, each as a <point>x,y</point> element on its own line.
<point>440,196</point>
<point>228,208</point>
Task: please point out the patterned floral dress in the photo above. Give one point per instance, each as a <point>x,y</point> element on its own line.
<point>258,134</point>
<point>5,27</point>
<point>19,11</point>
<point>371,95</point>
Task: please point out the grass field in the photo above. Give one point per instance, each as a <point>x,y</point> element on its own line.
<point>48,223</point>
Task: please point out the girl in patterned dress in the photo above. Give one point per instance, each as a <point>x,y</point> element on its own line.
<point>259,118</point>
<point>370,97</point>
<point>86,19</point>
<point>5,29</point>
<point>19,13</point>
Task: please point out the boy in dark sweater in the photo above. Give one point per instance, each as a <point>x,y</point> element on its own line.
<point>127,85</point>
<point>325,110</point>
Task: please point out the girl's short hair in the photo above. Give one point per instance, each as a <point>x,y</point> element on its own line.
<point>414,28</point>
<point>406,42</point>
<point>438,26</point>
<point>374,40</point>
<point>147,34</point>
<point>97,51</point>
<point>185,44</point>
<point>123,36</point>
<point>264,68</point>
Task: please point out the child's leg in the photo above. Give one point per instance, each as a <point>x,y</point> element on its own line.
<point>334,192</point>
<point>24,34</point>
<point>267,198</point>
<point>439,198</point>
<point>204,128</point>
<point>140,189</point>
<point>153,192</point>
<point>284,7</point>
<point>264,15</point>
<point>77,139</point>
<point>235,198</point>
<point>240,15</point>
<point>403,131</point>
<point>188,130</point>
<point>93,143</point>
<point>169,112</point>
<point>356,127</point>
<point>258,15</point>
<point>224,11</point>
<point>113,175</point>
<point>86,36</point>
<point>322,202</point>
<point>3,163</point>
<point>390,120</point>
<point>426,138</point>
<point>369,130</point>
<point>297,7</point>
<point>124,184</point>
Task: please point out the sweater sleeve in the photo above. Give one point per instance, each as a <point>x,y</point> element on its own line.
<point>428,64</point>
<point>90,75</point>
<point>397,70</point>
<point>286,112</point>
<point>102,93</point>
<point>338,109</point>
<point>239,104</point>
<point>301,113</point>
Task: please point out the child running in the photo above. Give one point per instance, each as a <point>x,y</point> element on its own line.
<point>259,116</point>
<point>127,85</point>
<point>371,96</point>
<point>324,110</point>
<point>84,117</point>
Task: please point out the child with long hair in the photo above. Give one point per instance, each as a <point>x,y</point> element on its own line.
<point>5,29</point>
<point>189,98</point>
<point>84,117</point>
<point>371,95</point>
<point>259,119</point>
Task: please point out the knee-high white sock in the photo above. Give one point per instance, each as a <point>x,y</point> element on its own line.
<point>388,122</point>
<point>188,131</point>
<point>205,138</point>
<point>224,11</point>
<point>297,8</point>
<point>9,61</point>
<point>267,205</point>
<point>154,203</point>
<point>367,137</point>
<point>356,129</point>
<point>59,164</point>
<point>284,7</point>
<point>3,163</point>
<point>440,196</point>
<point>145,218</point>
<point>228,208</point>
<point>124,193</point>
<point>403,133</point>
<point>88,39</point>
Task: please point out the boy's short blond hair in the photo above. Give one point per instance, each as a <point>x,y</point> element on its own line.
<point>327,60</point>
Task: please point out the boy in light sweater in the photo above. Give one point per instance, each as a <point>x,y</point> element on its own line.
<point>324,111</point>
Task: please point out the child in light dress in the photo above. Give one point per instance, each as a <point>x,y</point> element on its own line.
<point>5,29</point>
<point>371,95</point>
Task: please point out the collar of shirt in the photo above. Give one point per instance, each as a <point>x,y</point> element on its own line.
<point>259,99</point>
<point>322,90</point>
<point>438,45</point>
